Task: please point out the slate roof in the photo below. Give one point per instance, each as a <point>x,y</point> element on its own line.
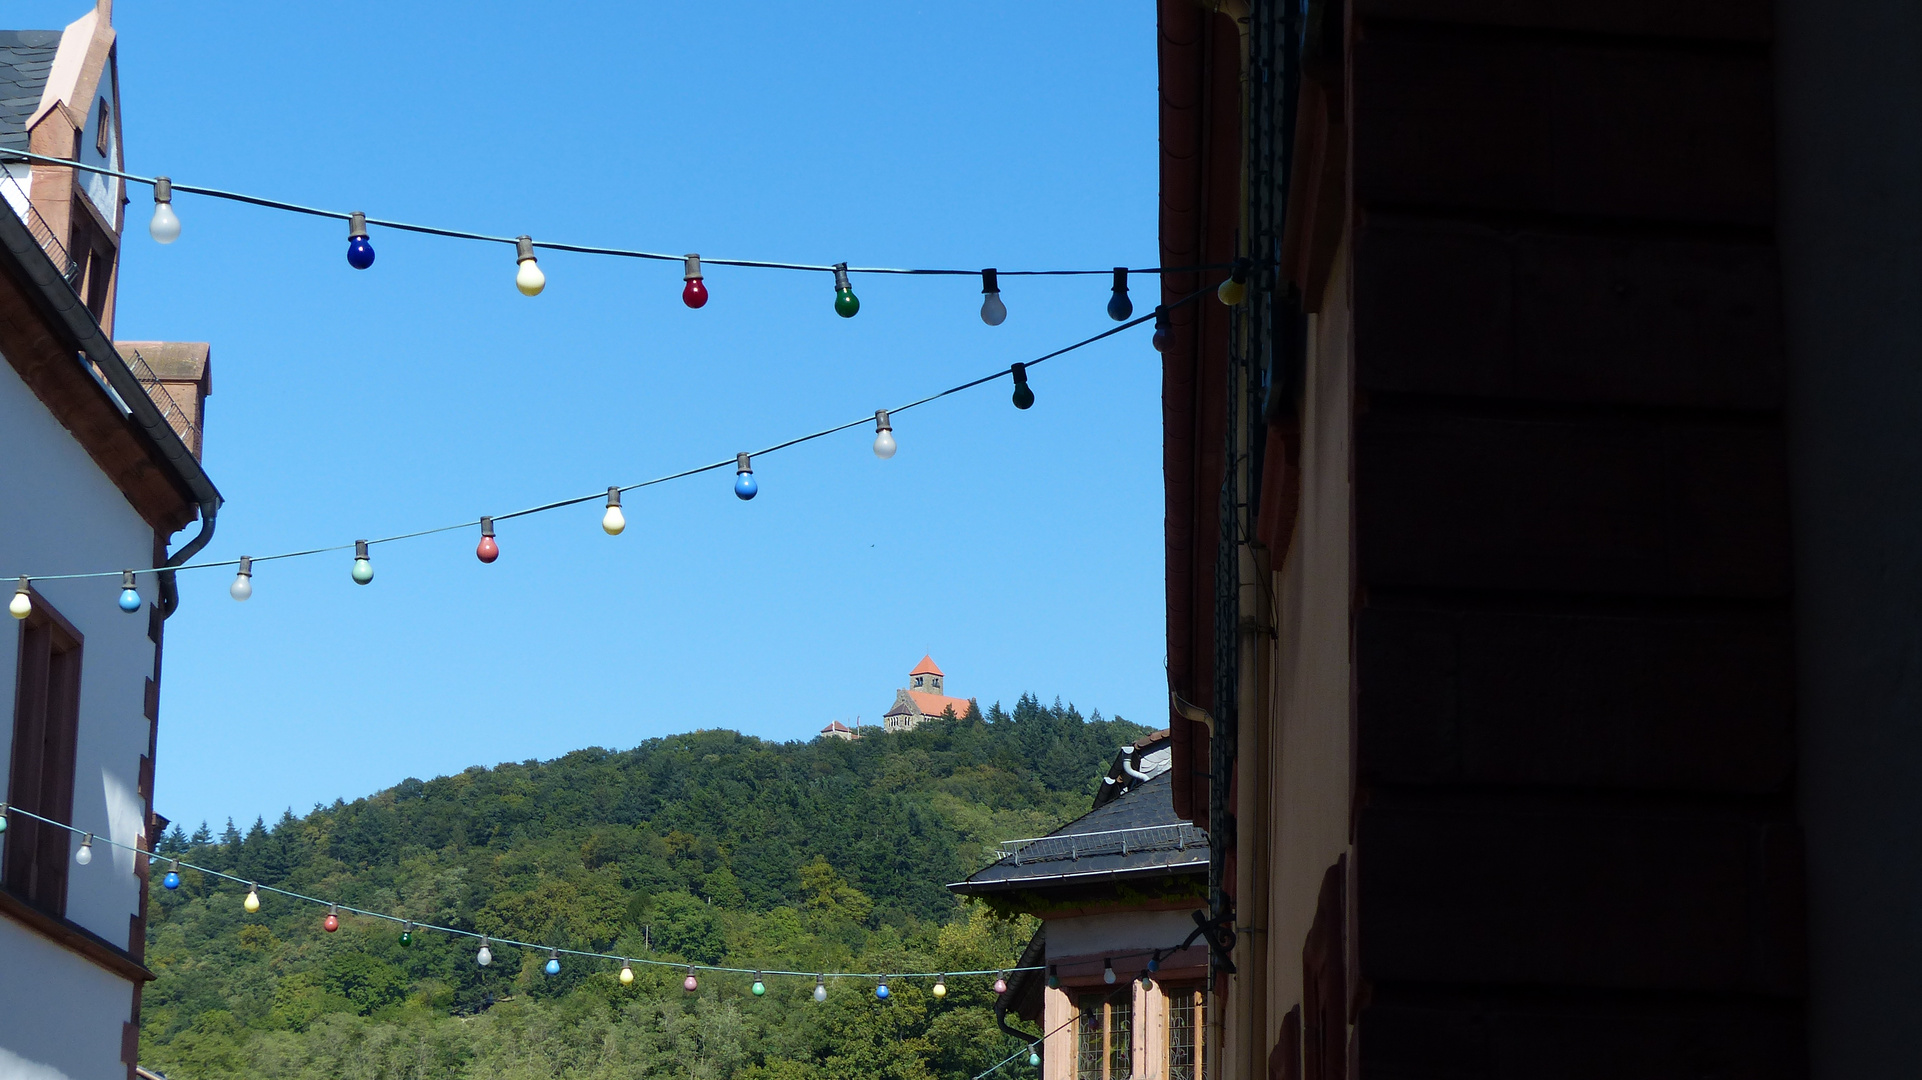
<point>1137,834</point>
<point>26,56</point>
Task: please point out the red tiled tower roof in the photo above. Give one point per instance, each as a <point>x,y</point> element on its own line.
<point>926,667</point>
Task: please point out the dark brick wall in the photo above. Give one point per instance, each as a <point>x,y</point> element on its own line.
<point>1576,852</point>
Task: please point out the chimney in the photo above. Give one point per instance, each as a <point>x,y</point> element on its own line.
<point>178,376</point>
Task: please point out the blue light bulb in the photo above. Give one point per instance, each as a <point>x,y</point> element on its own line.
<point>360,253</point>
<point>129,596</point>
<point>744,484</point>
<point>881,991</point>
<point>172,880</point>
<point>1119,306</point>
<point>553,966</point>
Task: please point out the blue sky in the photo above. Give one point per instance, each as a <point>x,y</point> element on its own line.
<point>1023,549</point>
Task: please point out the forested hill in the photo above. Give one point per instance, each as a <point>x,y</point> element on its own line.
<point>709,847</point>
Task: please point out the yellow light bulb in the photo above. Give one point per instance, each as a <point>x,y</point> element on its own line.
<point>252,903</point>
<point>627,974</point>
<point>21,605</point>
<point>613,521</point>
<point>1232,292</point>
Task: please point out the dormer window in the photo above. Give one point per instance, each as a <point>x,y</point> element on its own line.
<point>100,132</point>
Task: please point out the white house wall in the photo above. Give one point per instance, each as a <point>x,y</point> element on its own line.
<point>60,514</point>
<point>62,1015</point>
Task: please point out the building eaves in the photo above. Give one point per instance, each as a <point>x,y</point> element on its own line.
<point>1136,835</point>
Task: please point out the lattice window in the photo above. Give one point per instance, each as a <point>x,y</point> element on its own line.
<point>1187,1020</point>
<point>1104,1038</point>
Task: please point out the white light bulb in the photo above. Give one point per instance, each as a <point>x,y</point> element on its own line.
<point>993,311</point>
<point>243,586</point>
<point>884,445</point>
<point>165,226</point>
<point>484,957</point>
<point>820,990</point>
<point>21,605</point>
<point>85,854</point>
<point>528,279</point>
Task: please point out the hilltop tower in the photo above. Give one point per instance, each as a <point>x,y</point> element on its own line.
<point>923,699</point>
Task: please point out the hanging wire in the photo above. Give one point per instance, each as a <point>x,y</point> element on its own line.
<point>582,249</point>
<point>253,885</point>
<point>866,418</point>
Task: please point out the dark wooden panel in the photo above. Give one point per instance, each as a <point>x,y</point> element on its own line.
<point>1462,309</point>
<point>1515,125</point>
<point>1718,20</point>
<point>1681,702</point>
<point>1625,506</point>
<point>1616,897</point>
<point>1472,1037</point>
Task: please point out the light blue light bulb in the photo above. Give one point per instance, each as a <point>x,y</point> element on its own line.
<point>129,601</point>
<point>553,967</point>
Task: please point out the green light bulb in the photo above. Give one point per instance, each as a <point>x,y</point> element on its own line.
<point>759,987</point>
<point>845,303</point>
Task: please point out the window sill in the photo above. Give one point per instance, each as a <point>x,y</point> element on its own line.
<point>74,938</point>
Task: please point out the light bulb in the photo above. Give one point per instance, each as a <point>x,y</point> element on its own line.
<point>243,586</point>
<point>1107,972</point>
<point>85,854</point>
<point>1160,340</point>
<point>1054,977</point>
<point>332,922</point>
<point>360,253</point>
<point>845,302</point>
<point>528,279</point>
<point>1033,1059</point>
<point>1000,984</point>
<point>820,988</point>
<point>744,485</point>
<point>22,604</point>
<point>553,965</point>
<point>3,817</point>
<point>759,987</point>
<point>940,986</point>
<point>694,293</point>
<point>883,435</point>
<point>252,903</point>
<point>1119,306</point>
<point>613,521</point>
<point>164,227</point>
<point>627,973</point>
<point>129,596</point>
<point>1023,396</point>
<point>172,880</point>
<point>690,984</point>
<point>993,311</point>
<point>485,956</point>
<point>881,991</point>
<point>1235,289</point>
<point>363,570</point>
<point>487,550</point>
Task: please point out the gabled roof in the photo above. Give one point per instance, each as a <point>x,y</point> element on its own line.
<point>26,58</point>
<point>1135,835</point>
<point>926,667</point>
<point>936,704</point>
<point>835,725</point>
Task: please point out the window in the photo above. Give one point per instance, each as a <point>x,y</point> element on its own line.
<point>1187,1021</point>
<point>100,140</point>
<point>46,722</point>
<point>1104,1038</point>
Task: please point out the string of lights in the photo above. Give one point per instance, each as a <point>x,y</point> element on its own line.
<point>484,955</point>
<point>530,279</point>
<point>613,519</point>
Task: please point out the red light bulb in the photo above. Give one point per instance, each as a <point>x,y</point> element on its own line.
<point>332,922</point>
<point>693,294</point>
<point>488,550</point>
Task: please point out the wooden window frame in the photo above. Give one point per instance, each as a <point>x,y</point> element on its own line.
<point>1117,1042</point>
<point>1196,1000</point>
<point>46,738</point>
